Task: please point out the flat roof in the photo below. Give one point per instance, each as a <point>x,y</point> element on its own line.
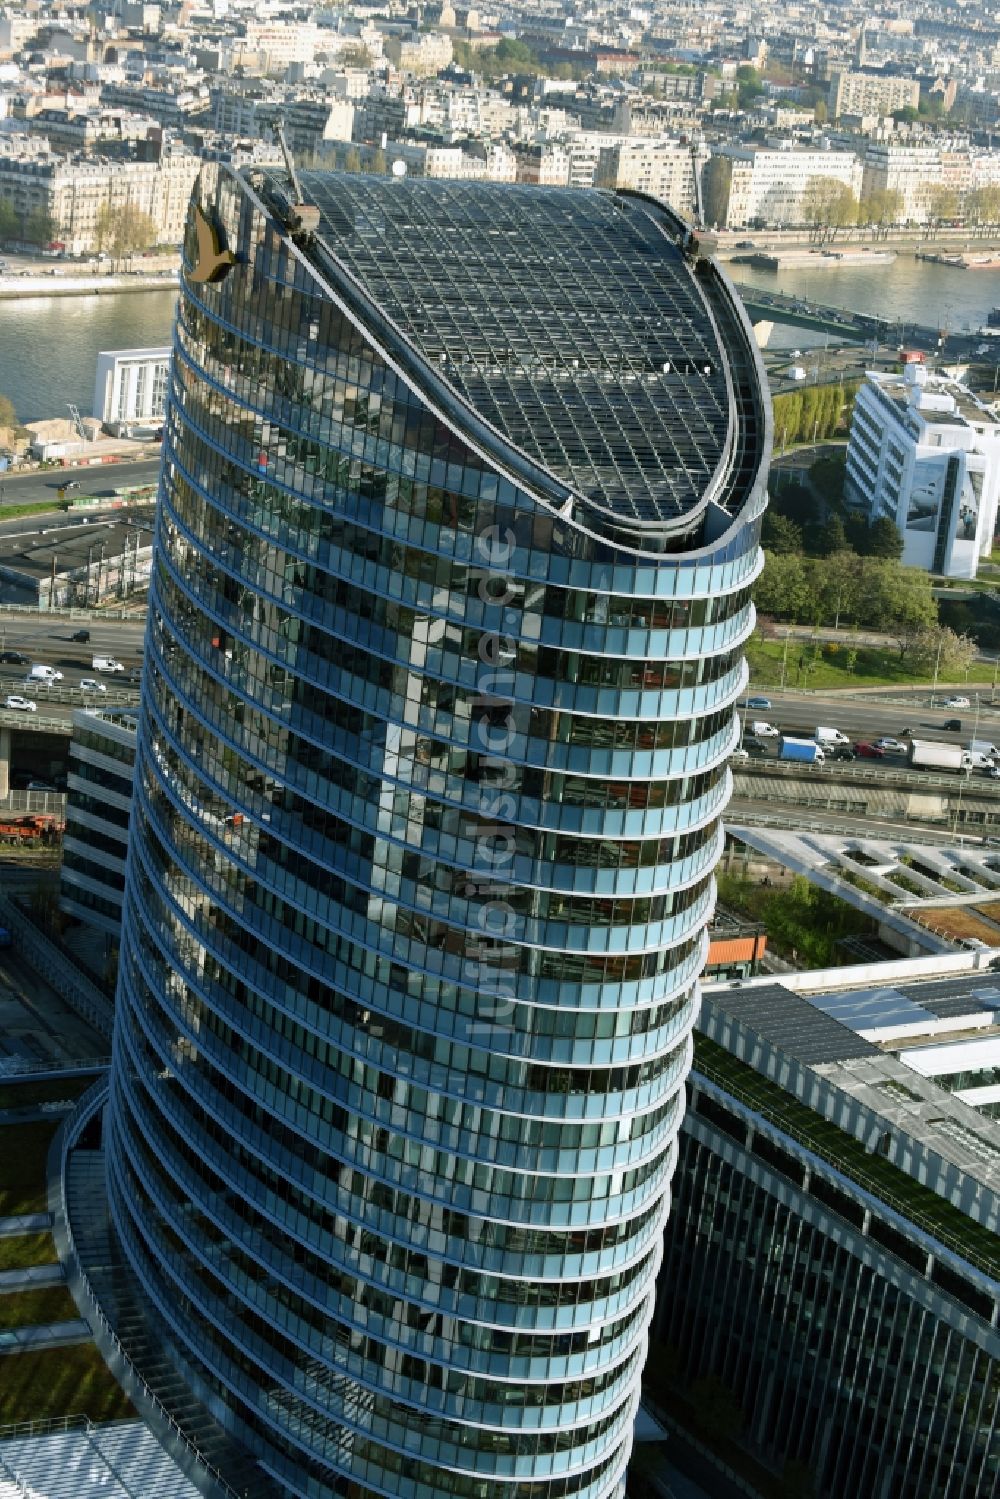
<point>569,320</point>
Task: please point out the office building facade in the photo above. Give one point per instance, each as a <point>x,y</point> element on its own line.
<point>924,453</point>
<point>835,1230</point>
<point>458,520</point>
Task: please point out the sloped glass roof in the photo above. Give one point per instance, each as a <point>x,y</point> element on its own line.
<point>567,319</point>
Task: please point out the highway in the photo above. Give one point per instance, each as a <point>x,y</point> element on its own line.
<point>863,718</point>
<point>96,479</point>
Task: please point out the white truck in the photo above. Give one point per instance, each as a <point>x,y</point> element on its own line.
<point>107,663</point>
<point>925,755</point>
<point>44,674</point>
<point>830,736</point>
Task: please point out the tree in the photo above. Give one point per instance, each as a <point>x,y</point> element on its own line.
<point>880,210</point>
<point>783,587</point>
<point>9,221</point>
<point>780,535</point>
<point>356,56</point>
<point>898,599</point>
<point>748,85</point>
<point>883,540</point>
<point>123,230</point>
<point>352,160</point>
<point>942,648</point>
<point>836,587</point>
<point>829,538</point>
<point>39,227</point>
<point>820,112</point>
<point>716,181</point>
<point>828,205</point>
<point>982,207</point>
<point>942,204</point>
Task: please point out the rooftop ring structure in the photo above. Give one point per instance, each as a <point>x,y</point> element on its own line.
<point>458,520</point>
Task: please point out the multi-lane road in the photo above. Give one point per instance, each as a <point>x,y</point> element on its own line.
<point>96,479</point>
<point>865,718</point>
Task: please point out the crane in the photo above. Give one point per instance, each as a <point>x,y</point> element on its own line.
<point>301,219</point>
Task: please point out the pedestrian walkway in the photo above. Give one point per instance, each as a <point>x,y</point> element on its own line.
<point>24,1223</point>
<point>31,1275</point>
<point>46,1335</point>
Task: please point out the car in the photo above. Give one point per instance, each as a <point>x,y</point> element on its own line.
<point>90,684</point>
<point>840,752</point>
<point>21,704</point>
<point>13,658</point>
<point>891,746</point>
<point>40,786</point>
<point>761,730</point>
<point>866,751</point>
<point>957,702</point>
<point>740,756</point>
<point>69,484</point>
<point>754,748</point>
<point>757,702</point>
<point>952,725</point>
<point>82,637</point>
<point>993,771</point>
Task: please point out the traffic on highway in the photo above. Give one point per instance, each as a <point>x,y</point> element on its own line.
<point>900,736</point>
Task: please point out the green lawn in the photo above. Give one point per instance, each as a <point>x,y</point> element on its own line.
<point>23,1152</point>
<point>36,507</point>
<point>15,1095</point>
<point>831,669</point>
<point>35,1306</point>
<point>21,1250</point>
<point>40,1384</point>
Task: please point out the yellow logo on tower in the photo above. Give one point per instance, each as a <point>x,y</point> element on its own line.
<point>212,263</point>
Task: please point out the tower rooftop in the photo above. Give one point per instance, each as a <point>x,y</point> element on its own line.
<point>570,321</point>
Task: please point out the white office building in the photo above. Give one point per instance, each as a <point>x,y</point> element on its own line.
<point>130,388</point>
<point>924,453</point>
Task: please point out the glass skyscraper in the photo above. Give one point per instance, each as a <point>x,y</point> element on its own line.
<point>459,514</point>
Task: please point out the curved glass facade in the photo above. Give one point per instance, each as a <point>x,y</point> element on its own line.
<point>431,765</point>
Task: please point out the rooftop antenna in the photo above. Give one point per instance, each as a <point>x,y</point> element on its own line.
<point>301,219</point>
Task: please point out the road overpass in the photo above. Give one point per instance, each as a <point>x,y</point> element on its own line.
<point>865,799</point>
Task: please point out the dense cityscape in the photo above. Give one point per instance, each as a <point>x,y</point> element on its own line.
<point>499,751</point>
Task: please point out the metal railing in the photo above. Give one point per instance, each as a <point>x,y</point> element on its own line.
<point>799,819</point>
<point>887,775</point>
<point>86,1108</point>
<point>79,992</point>
<point>25,1069</point>
<point>66,692</point>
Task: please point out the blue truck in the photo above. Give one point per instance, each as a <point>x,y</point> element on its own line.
<point>806,750</point>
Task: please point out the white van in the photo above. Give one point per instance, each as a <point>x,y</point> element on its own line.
<point>830,736</point>
<point>44,674</point>
<point>762,730</point>
<point>107,663</point>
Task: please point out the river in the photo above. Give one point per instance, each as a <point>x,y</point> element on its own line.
<point>49,345</point>
<point>913,290</point>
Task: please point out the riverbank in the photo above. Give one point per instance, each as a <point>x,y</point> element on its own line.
<point>56,285</point>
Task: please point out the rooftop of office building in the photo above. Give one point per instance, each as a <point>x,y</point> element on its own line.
<point>846,1065</point>
<point>571,322</point>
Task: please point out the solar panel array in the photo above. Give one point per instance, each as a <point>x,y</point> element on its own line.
<point>566,319</point>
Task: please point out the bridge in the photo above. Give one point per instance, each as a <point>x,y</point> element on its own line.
<point>844,325</point>
<point>865,799</point>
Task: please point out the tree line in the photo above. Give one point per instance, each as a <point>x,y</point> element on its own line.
<point>814,414</point>
<point>121,230</point>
